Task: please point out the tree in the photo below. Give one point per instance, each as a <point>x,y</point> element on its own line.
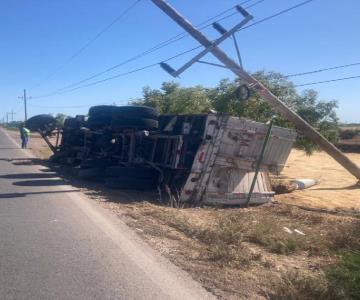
<point>172,98</point>
<point>60,119</point>
<point>14,124</point>
<point>320,114</point>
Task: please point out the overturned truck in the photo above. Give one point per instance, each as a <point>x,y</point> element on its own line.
<point>196,159</point>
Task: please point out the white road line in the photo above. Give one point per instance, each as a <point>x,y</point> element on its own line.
<point>163,273</point>
<point>16,143</point>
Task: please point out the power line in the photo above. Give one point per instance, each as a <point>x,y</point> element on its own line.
<point>269,17</point>
<point>323,70</point>
<point>13,112</point>
<point>160,45</point>
<point>65,90</point>
<point>121,74</point>
<point>277,14</point>
<point>25,99</point>
<point>326,81</point>
<point>70,106</point>
<point>92,40</point>
<point>153,65</point>
<point>109,78</point>
<point>233,14</point>
<point>20,108</point>
<point>79,106</point>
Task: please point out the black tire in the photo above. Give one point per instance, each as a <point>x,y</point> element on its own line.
<point>91,173</point>
<point>147,124</point>
<point>138,173</point>
<point>101,110</point>
<point>98,122</point>
<point>142,112</point>
<point>73,138</point>
<point>56,157</point>
<point>71,123</point>
<point>130,183</point>
<point>97,163</point>
<point>41,122</point>
<point>80,118</point>
<point>135,112</point>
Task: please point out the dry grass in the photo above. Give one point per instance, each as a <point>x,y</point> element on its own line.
<point>338,281</point>
<point>256,256</point>
<point>247,253</point>
<point>297,285</point>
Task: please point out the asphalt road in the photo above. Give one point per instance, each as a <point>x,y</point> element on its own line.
<point>57,244</point>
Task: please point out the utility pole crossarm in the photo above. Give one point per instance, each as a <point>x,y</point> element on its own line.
<point>213,44</point>
<point>261,90</point>
<point>25,98</point>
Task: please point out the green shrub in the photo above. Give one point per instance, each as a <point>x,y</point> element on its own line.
<point>344,278</point>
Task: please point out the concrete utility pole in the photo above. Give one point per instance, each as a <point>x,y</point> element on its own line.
<point>254,84</point>
<point>12,115</point>
<point>7,118</point>
<point>25,103</point>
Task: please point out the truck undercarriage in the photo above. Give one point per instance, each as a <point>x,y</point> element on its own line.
<point>194,159</point>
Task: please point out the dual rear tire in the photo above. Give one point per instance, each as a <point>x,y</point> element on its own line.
<point>121,177</point>
<point>119,117</point>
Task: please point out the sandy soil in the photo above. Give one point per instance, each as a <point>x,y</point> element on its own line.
<point>338,188</point>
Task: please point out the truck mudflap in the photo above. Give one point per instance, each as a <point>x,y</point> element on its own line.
<point>223,167</point>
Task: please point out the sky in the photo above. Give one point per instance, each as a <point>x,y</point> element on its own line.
<point>38,37</point>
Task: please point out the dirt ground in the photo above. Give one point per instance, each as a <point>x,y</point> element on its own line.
<point>338,189</point>
<point>36,144</point>
<point>274,251</point>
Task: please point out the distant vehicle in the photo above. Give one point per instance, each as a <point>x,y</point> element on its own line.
<point>195,159</point>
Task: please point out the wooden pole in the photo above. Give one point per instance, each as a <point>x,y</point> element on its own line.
<point>25,105</point>
<point>262,91</point>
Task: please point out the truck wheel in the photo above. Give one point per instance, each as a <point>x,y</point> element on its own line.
<point>142,112</point>
<point>147,124</point>
<point>98,122</point>
<point>125,172</point>
<point>135,112</point>
<point>71,123</point>
<point>130,183</point>
<point>41,122</point>
<point>97,163</point>
<point>101,110</point>
<point>90,173</point>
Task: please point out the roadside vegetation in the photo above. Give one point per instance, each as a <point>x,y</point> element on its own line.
<point>275,251</point>
<point>172,98</point>
<point>15,125</point>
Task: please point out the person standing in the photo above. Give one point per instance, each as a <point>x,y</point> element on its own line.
<point>25,137</point>
<point>21,135</point>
